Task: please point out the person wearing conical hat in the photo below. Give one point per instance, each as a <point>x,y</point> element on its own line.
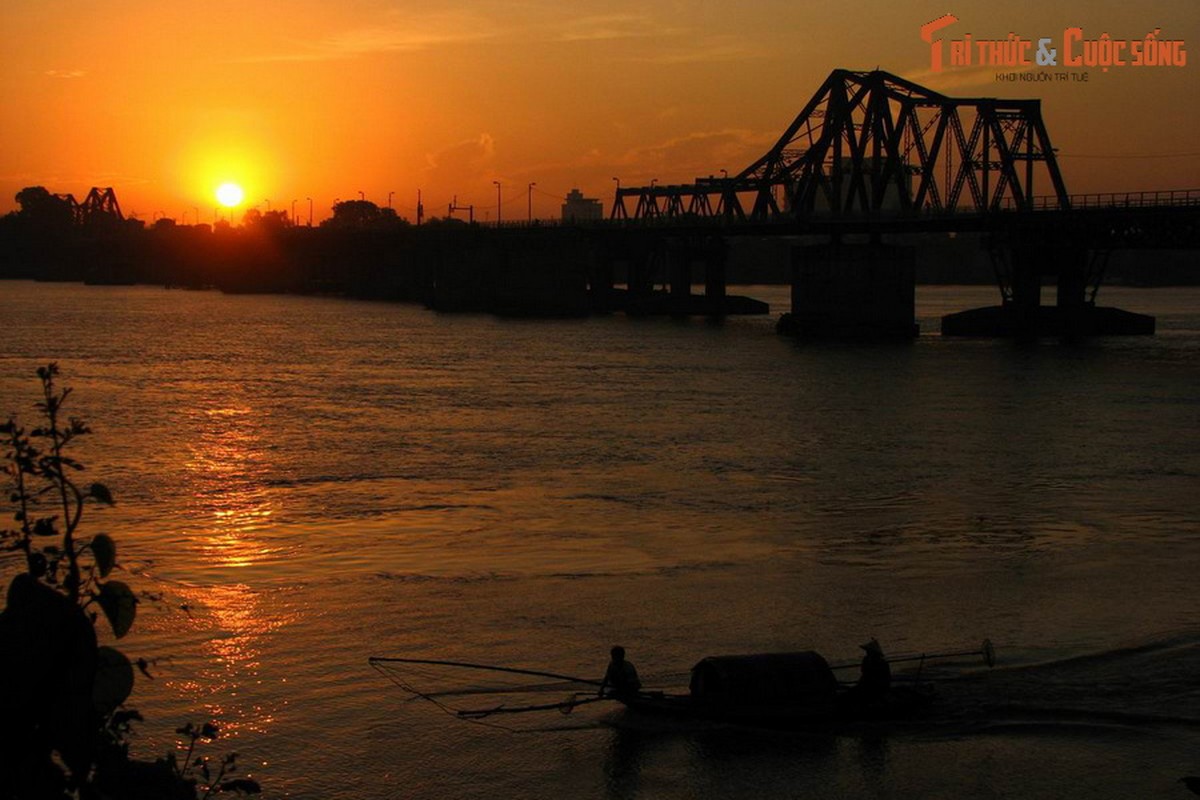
<point>876,676</point>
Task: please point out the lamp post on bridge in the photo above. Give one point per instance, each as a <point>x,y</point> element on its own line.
<point>309,199</point>
<point>497,203</point>
<point>530,200</point>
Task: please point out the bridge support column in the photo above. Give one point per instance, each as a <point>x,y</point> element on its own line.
<point>1024,316</point>
<point>679,270</point>
<point>640,276</point>
<point>715,279</point>
<point>852,290</point>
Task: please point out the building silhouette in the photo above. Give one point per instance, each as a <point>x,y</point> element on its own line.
<point>578,208</point>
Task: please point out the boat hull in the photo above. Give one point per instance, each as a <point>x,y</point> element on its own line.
<point>849,710</point>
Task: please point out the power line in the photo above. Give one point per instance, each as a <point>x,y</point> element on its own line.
<point>1129,155</point>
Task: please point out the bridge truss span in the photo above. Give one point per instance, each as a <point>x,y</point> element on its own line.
<point>99,206</point>
<point>874,144</point>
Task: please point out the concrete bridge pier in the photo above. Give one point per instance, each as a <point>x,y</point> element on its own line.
<point>852,291</point>
<point>679,270</point>
<point>683,257</point>
<point>1022,314</point>
<point>641,271</point>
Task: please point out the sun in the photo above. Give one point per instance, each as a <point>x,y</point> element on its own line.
<point>230,194</point>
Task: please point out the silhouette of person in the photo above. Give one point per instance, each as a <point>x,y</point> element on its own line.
<point>621,678</point>
<point>876,676</point>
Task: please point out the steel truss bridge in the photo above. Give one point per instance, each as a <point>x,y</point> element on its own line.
<point>873,145</point>
<point>99,206</point>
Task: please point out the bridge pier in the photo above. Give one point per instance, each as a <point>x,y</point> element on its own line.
<point>852,291</point>
<point>1022,314</point>
<point>683,256</point>
<point>674,260</point>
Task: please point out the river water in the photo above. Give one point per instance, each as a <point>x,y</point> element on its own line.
<point>319,480</point>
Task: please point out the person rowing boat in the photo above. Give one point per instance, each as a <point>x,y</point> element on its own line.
<point>621,678</point>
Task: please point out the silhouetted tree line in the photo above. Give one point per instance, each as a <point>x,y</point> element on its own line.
<point>268,252</point>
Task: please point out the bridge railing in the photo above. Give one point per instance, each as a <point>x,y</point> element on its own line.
<point>1151,199</point>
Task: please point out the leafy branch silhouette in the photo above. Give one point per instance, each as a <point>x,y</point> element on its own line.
<point>64,694</point>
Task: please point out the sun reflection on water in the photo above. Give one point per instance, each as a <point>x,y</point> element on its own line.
<point>232,510</point>
<point>228,684</point>
<point>228,494</point>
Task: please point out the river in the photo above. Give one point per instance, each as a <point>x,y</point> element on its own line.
<point>306,482</point>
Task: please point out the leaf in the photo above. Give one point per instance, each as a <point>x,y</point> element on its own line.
<point>243,785</point>
<point>100,492</point>
<point>45,527</point>
<point>127,716</point>
<point>114,680</point>
<point>208,731</point>
<point>144,667</point>
<point>105,551</point>
<point>120,606</point>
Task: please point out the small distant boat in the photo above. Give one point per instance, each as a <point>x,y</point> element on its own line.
<point>778,691</point>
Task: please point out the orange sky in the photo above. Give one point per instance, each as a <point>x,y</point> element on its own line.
<point>312,98</point>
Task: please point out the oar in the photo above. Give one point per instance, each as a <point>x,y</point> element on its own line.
<point>488,667</point>
<point>985,649</point>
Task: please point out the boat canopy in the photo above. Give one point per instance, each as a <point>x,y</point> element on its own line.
<point>765,679</point>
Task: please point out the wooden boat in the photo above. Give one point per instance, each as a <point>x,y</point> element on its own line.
<point>769,690</point>
<point>779,691</point>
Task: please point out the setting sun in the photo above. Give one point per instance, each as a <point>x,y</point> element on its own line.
<point>229,194</point>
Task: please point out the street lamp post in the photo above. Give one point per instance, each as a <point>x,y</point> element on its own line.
<point>293,217</point>
<point>390,199</point>
<point>309,199</point>
<point>530,201</point>
<point>362,196</point>
<point>497,203</point>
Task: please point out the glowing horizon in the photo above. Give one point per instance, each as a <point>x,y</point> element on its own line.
<point>327,102</point>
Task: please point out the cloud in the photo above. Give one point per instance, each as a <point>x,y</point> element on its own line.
<point>407,35</point>
<point>701,50</point>
<point>462,166</point>
<point>599,27</point>
<point>394,33</point>
<point>700,153</point>
<point>65,73</point>
<point>951,78</point>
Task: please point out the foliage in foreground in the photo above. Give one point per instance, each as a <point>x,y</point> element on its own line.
<point>64,694</point>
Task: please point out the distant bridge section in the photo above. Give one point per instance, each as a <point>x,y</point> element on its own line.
<point>100,205</point>
<point>872,142</point>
